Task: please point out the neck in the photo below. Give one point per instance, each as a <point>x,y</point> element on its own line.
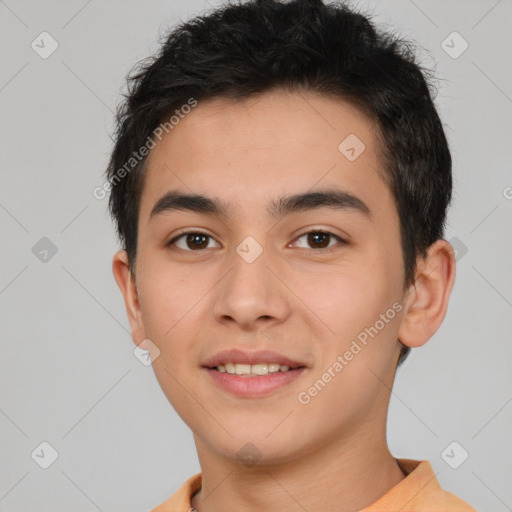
<point>338,476</point>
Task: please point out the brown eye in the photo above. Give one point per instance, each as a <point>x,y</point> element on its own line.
<point>320,239</point>
<point>196,241</point>
<point>192,241</point>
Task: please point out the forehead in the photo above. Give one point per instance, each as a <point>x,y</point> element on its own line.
<point>250,151</point>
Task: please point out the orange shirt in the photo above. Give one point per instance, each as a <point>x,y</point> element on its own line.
<point>419,491</point>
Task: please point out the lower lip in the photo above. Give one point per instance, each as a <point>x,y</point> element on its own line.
<point>253,386</point>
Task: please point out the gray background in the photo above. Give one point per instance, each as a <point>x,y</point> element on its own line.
<point>68,375</point>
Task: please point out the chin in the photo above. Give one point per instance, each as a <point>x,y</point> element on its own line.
<point>252,450</point>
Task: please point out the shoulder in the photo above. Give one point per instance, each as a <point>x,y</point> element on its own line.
<point>429,495</point>
<point>180,501</point>
<point>419,491</point>
<point>439,501</point>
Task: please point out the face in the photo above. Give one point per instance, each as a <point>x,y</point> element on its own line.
<point>318,280</point>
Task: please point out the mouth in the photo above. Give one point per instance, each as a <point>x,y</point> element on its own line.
<point>254,370</point>
<point>258,362</point>
<point>253,385</point>
<point>252,374</point>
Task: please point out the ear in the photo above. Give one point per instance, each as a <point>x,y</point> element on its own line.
<point>126,282</point>
<point>426,301</point>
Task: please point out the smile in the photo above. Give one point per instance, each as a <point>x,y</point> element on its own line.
<point>253,385</point>
<point>253,370</point>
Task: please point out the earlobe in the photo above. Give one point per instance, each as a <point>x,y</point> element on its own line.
<point>426,301</point>
<point>126,283</point>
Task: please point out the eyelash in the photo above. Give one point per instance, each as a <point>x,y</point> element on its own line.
<point>315,231</point>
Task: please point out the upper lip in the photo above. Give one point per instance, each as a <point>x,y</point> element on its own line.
<point>238,356</point>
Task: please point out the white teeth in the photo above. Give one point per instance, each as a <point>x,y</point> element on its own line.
<point>255,369</point>
<point>242,369</point>
<point>260,369</point>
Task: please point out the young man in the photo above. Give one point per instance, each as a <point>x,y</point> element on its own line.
<point>279,182</point>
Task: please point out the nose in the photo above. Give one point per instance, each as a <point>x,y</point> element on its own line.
<point>251,293</point>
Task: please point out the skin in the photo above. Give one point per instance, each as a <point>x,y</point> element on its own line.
<point>299,301</point>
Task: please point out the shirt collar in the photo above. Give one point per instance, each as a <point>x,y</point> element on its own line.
<point>419,478</point>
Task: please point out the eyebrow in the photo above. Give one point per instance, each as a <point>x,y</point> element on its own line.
<point>329,198</point>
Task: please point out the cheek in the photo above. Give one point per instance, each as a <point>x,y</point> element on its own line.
<point>173,313</point>
<point>169,317</point>
<point>360,305</point>
<point>165,298</point>
<point>349,297</point>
